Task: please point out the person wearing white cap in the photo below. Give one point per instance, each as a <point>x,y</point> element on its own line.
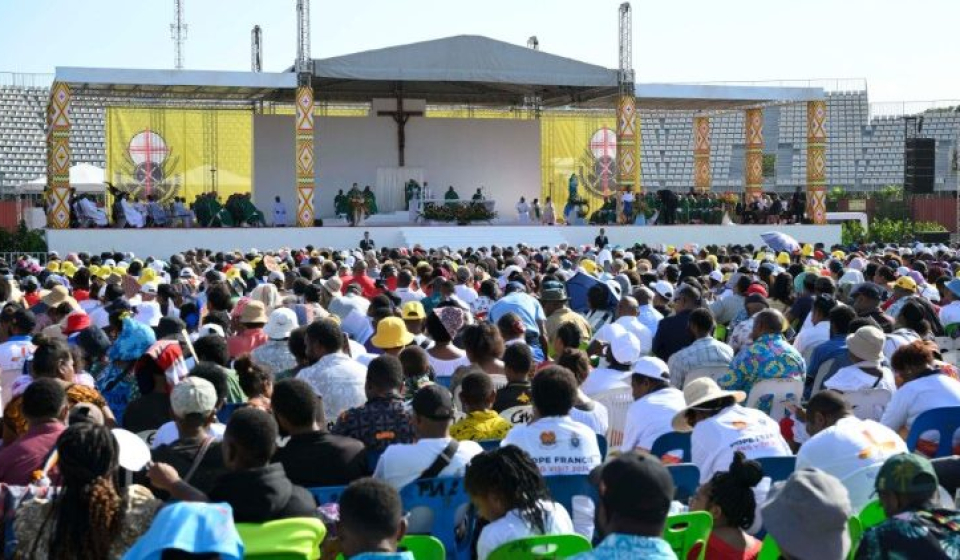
<point>627,318</point>
<point>651,414</point>
<point>622,350</point>
<point>275,352</point>
<point>721,427</point>
<point>866,370</point>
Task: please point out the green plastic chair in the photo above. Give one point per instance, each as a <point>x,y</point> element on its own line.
<point>771,550</point>
<point>424,547</point>
<point>685,531</point>
<point>546,547</point>
<point>872,515</point>
<point>297,538</point>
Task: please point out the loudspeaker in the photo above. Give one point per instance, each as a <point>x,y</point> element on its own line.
<point>919,159</point>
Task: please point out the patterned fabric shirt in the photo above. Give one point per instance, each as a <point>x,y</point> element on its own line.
<point>627,547</point>
<point>742,335</point>
<point>379,423</point>
<point>480,425</point>
<point>914,534</point>
<point>769,357</point>
<point>274,354</point>
<point>704,352</point>
<point>339,381</point>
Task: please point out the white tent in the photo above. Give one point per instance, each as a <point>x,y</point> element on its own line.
<point>84,177</point>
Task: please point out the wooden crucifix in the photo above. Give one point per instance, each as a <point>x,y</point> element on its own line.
<point>400,117</point>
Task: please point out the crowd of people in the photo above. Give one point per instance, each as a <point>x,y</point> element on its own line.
<point>256,376</point>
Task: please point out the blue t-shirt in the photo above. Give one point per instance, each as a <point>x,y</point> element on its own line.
<point>525,306</point>
<point>623,547</point>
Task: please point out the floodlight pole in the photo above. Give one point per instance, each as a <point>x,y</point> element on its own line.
<point>178,32</point>
<point>628,122</point>
<point>256,49</point>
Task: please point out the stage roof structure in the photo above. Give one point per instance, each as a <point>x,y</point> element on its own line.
<point>460,70</point>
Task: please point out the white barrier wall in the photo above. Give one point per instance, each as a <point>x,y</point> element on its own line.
<point>502,155</point>
<point>165,242</point>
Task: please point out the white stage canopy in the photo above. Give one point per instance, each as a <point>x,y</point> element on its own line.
<point>84,177</point>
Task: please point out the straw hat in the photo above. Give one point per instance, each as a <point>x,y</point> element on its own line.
<point>700,391</point>
<point>57,295</point>
<point>253,312</point>
<point>867,344</point>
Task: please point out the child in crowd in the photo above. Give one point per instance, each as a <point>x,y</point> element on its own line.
<point>256,382</point>
<point>482,422</point>
<point>729,498</point>
<point>518,366</point>
<point>508,490</point>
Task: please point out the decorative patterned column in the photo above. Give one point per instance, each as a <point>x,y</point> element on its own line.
<point>628,136</point>
<point>305,160</point>
<point>817,161</point>
<point>701,154</point>
<point>58,157</point>
<point>753,169</point>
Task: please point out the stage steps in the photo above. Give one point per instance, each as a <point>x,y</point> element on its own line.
<point>482,236</point>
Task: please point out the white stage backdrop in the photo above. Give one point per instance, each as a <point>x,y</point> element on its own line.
<point>501,155</point>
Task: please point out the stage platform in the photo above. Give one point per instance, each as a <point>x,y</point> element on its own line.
<point>165,242</point>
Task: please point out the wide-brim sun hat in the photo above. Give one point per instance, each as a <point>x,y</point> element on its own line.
<point>698,392</point>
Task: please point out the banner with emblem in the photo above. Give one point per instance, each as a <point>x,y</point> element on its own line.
<point>583,145</point>
<point>173,152</point>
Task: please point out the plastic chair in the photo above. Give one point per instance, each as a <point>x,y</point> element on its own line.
<point>542,547</point>
<point>713,372</point>
<point>868,404</point>
<point>781,390</point>
<point>285,539</point>
<point>489,444</point>
<point>617,402</point>
<point>687,530</point>
<point>443,504</point>
<point>227,410</point>
<point>445,380</point>
<point>670,442</point>
<point>564,487</point>
<point>686,480</point>
<point>423,547</point>
<point>327,494</point>
<point>778,468</point>
<point>944,420</point>
<point>871,515</point>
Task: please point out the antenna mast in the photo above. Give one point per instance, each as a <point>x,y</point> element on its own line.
<point>626,48</point>
<point>178,32</point>
<point>303,36</point>
<point>256,49</point>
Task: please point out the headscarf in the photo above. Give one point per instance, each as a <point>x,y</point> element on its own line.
<point>453,319</point>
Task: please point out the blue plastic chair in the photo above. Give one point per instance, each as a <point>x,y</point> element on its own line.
<point>489,444</point>
<point>602,444</point>
<point>670,442</point>
<point>445,381</point>
<point>373,457</point>
<point>778,468</point>
<point>686,480</point>
<point>943,420</point>
<point>227,410</point>
<point>446,503</point>
<point>327,494</point>
<point>564,487</point>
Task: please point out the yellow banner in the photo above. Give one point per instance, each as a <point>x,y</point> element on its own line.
<point>171,152</point>
<point>582,145</point>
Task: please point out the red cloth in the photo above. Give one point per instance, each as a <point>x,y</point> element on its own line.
<point>27,454</point>
<point>369,286</point>
<point>32,298</point>
<point>81,295</point>
<point>719,550</point>
<point>245,342</point>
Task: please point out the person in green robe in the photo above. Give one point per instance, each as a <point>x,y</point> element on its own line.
<point>340,205</point>
<point>371,201</point>
<point>249,213</point>
<point>201,209</point>
<point>684,209</point>
<point>451,195</point>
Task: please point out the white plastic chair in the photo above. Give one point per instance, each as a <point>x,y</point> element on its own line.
<point>713,372</point>
<point>617,402</point>
<point>825,368</point>
<point>782,390</point>
<point>868,404</point>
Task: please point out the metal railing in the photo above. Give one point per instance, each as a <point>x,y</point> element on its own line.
<point>895,109</point>
<point>12,257</point>
<point>20,79</point>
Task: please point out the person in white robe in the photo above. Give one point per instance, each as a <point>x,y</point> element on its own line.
<point>523,211</point>
<point>90,211</point>
<point>132,214</point>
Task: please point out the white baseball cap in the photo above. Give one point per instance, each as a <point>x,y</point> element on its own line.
<point>664,288</point>
<point>624,345</point>
<point>650,366</point>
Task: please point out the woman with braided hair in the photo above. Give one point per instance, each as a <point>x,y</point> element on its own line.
<point>508,490</point>
<point>729,498</point>
<point>89,516</point>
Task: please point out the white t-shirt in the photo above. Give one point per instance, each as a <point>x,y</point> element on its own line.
<point>466,294</point>
<point>598,418</point>
<point>852,378</point>
<point>445,368</point>
<point>558,445</point>
<point>852,450</point>
<point>918,396</point>
<point>402,463</point>
<point>168,433</point>
<point>811,337</point>
<point>633,326</point>
<point>604,379</point>
<point>512,527</point>
<point>649,417</point>
<point>736,428</point>
<point>406,294</point>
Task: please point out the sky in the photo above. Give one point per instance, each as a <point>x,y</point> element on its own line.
<point>906,51</point>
